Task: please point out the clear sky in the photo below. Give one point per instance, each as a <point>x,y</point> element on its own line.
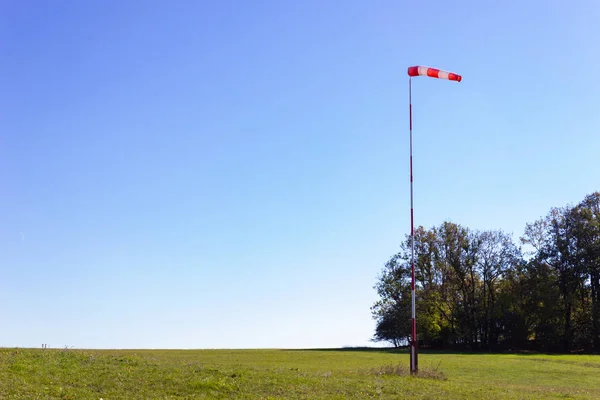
<point>230,174</point>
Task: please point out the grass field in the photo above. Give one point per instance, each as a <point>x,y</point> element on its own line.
<point>291,374</point>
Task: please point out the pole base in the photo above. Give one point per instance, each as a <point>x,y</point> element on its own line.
<point>414,358</point>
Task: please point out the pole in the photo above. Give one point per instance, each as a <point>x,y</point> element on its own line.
<point>414,359</point>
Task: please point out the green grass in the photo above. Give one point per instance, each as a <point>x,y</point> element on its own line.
<point>291,374</point>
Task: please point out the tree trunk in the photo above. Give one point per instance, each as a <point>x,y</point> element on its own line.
<point>567,333</point>
<point>485,339</point>
<point>595,284</point>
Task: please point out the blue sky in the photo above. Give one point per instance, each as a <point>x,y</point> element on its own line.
<point>235,174</point>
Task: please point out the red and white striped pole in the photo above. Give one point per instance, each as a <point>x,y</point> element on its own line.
<point>414,357</point>
<point>433,73</point>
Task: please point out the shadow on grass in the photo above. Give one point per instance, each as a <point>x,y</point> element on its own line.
<point>399,350</point>
<point>405,350</point>
<point>395,350</point>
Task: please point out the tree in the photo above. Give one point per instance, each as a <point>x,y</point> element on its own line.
<point>586,221</point>
<point>557,249</point>
<point>457,256</point>
<point>392,311</point>
<point>477,290</point>
<point>457,274</point>
<point>497,255</point>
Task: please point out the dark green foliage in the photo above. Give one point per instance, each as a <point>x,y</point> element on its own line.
<point>476,290</point>
<point>393,310</point>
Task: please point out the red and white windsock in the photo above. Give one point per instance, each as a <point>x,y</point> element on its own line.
<point>433,73</point>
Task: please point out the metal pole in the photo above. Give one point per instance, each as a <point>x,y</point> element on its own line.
<point>414,360</point>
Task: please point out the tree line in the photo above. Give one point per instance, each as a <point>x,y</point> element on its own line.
<point>479,290</point>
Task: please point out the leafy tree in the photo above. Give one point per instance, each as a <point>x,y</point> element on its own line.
<point>457,273</point>
<point>586,221</point>
<point>497,256</point>
<point>476,289</point>
<point>392,312</point>
<point>558,257</point>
